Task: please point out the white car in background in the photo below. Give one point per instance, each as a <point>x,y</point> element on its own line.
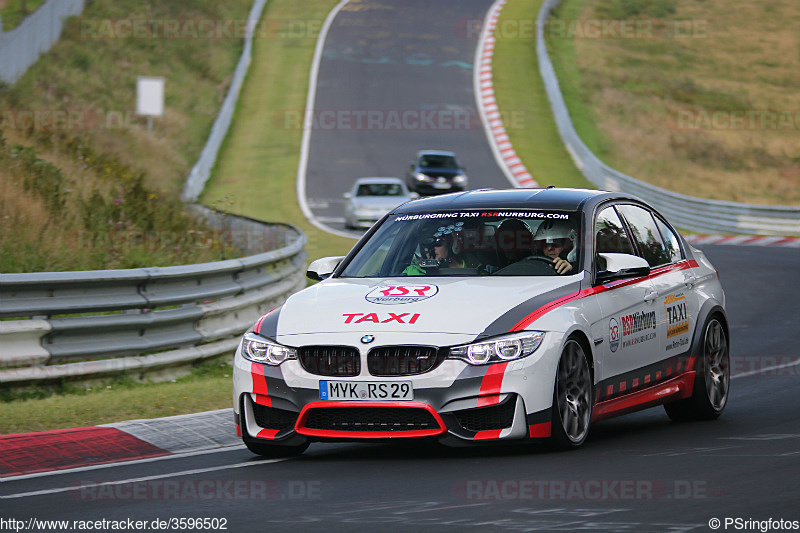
<point>371,198</point>
<point>483,316</point>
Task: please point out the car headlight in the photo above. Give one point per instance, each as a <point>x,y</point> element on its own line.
<point>460,178</point>
<point>422,176</point>
<point>499,349</point>
<point>260,350</point>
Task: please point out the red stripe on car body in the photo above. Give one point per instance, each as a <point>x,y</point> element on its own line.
<point>257,327</point>
<point>525,322</point>
<point>266,401</point>
<point>490,385</point>
<point>267,433</point>
<point>538,431</point>
<point>259,379</point>
<point>487,434</point>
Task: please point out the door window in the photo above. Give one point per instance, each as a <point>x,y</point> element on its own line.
<point>671,241</point>
<point>647,236</point>
<point>610,234</point>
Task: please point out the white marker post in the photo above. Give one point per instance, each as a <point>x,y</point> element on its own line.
<point>149,98</point>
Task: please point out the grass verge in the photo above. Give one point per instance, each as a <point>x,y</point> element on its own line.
<point>256,172</point>
<point>692,99</point>
<point>14,11</point>
<point>83,184</point>
<point>520,92</point>
<point>207,388</point>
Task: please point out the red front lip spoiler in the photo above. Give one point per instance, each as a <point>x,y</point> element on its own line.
<point>341,434</point>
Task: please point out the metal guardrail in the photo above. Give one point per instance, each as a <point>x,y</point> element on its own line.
<point>95,324</point>
<point>687,212</point>
<point>98,323</point>
<point>21,47</point>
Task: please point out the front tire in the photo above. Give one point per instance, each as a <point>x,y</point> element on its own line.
<point>712,380</point>
<point>258,447</point>
<point>263,447</point>
<point>572,398</point>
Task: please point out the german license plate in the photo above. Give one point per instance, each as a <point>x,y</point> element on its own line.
<point>441,185</point>
<point>366,390</point>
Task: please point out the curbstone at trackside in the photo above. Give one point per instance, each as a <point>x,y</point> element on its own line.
<point>496,133</point>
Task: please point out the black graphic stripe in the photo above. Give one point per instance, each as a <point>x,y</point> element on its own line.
<point>510,318</point>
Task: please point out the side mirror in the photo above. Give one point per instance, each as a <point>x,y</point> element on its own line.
<point>348,195</point>
<point>323,268</point>
<point>611,267</point>
<point>413,195</point>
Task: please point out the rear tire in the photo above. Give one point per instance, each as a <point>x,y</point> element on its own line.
<point>712,380</point>
<point>572,398</point>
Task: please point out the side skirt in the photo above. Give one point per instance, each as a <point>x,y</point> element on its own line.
<point>677,388</point>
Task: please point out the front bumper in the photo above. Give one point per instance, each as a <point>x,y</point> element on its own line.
<point>455,402</point>
<point>433,188</point>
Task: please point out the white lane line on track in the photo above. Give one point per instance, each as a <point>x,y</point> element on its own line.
<point>308,126</point>
<point>58,490</point>
<point>229,448</point>
<point>118,463</point>
<point>768,369</point>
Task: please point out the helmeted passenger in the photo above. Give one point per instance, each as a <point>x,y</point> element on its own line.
<point>555,240</point>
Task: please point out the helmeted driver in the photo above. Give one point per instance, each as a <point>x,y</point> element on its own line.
<point>439,250</point>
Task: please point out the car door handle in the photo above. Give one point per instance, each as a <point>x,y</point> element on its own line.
<point>690,282</point>
<point>650,296</point>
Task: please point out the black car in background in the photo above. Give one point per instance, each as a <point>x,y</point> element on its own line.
<point>436,172</point>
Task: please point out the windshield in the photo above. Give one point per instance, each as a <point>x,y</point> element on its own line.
<point>472,243</point>
<point>438,161</point>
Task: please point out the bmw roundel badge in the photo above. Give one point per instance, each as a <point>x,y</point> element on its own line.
<point>366,339</point>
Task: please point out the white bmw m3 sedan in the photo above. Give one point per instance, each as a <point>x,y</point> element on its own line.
<point>488,316</point>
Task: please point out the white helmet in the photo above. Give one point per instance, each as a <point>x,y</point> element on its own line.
<point>553,231</point>
<point>550,230</point>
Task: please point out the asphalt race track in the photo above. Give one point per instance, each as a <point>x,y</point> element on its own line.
<point>639,472</point>
<point>395,77</point>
